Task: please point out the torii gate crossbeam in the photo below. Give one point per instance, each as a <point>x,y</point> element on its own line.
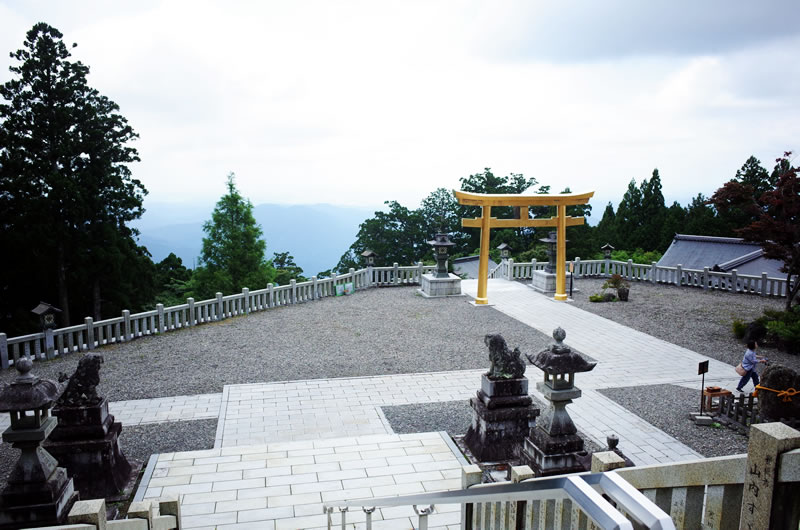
<point>486,222</point>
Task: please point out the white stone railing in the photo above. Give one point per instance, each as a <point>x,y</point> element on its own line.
<point>162,514</point>
<point>706,279</point>
<point>127,327</point>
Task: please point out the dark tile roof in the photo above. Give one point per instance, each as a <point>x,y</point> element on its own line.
<point>727,253</point>
<point>469,266</point>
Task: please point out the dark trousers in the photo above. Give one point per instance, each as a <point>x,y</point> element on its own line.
<point>746,377</point>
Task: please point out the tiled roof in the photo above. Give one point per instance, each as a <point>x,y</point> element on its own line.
<point>727,253</point>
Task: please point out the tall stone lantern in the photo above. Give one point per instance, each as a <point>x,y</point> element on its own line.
<point>369,257</point>
<point>544,281</point>
<point>441,246</point>
<point>607,249</point>
<point>553,446</point>
<point>38,492</point>
<point>505,250</point>
<point>47,318</point>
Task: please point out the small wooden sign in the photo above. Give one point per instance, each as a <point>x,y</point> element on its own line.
<point>702,368</point>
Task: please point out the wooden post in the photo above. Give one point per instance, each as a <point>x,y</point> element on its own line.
<point>4,362</point>
<point>561,254</point>
<point>765,503</point>
<point>483,261</point>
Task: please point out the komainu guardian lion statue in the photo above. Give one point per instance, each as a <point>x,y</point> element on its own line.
<point>82,387</point>
<point>506,364</point>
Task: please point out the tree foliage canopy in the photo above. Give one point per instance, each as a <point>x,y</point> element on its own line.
<point>65,184</point>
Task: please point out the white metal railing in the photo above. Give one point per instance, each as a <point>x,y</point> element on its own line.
<point>572,501</point>
<point>90,335</point>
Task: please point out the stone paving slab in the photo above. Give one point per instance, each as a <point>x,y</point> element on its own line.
<point>159,410</point>
<point>285,485</point>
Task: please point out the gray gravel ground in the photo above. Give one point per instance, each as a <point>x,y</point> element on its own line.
<point>373,332</point>
<point>141,441</point>
<point>667,407</point>
<point>695,319</point>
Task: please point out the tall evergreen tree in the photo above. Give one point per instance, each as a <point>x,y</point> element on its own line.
<point>607,227</point>
<point>629,217</point>
<point>65,184</point>
<point>653,211</point>
<point>232,256</point>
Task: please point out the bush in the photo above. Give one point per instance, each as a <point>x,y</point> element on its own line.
<point>785,335</point>
<point>602,297</point>
<point>739,329</point>
<point>616,282</point>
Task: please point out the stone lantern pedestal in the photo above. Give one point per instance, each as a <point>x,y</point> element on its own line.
<point>440,282</point>
<point>553,446</point>
<point>503,412</point>
<point>86,439</point>
<point>38,493</point>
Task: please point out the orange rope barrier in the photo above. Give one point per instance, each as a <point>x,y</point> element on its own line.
<point>785,394</point>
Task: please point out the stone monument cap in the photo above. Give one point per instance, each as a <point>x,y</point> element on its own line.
<point>558,358</point>
<point>28,392</point>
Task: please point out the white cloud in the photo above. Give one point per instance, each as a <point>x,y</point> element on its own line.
<point>357,103</point>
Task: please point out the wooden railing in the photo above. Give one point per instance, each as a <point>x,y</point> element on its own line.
<point>90,335</point>
<point>707,279</point>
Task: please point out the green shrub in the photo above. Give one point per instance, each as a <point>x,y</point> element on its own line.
<point>739,329</point>
<point>616,282</point>
<point>596,297</point>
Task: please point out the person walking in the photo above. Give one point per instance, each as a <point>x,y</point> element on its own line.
<point>749,363</point>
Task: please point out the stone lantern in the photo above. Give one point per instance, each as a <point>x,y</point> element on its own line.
<point>369,257</point>
<point>607,249</point>
<point>544,281</point>
<point>47,318</point>
<point>47,315</point>
<point>552,242</point>
<point>38,492</point>
<point>553,446</point>
<point>441,244</point>
<point>505,250</point>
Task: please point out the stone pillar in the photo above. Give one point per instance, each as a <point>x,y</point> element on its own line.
<point>705,278</point>
<point>510,276</point>
<point>49,346</point>
<point>162,325</point>
<point>314,288</point>
<point>606,461</point>
<point>89,333</point>
<point>766,503</point>
<point>396,273</point>
<point>678,274</point>
<point>764,280</point>
<point>190,303</point>
<point>503,414</point>
<point>653,272</point>
<point>470,475</point>
<point>126,325</point>
<point>220,307</point>
<point>246,300</point>
<point>293,287</point>
<point>735,281</point>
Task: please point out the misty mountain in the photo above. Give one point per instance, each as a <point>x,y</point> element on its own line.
<point>315,234</point>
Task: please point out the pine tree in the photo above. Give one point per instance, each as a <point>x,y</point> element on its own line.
<point>232,256</point>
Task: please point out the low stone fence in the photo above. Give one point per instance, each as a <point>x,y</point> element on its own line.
<point>706,279</point>
<point>163,514</point>
<point>126,327</point>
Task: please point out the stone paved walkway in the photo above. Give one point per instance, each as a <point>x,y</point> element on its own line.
<point>279,452</point>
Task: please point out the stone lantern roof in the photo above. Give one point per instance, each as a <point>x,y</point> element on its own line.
<point>28,392</point>
<point>559,358</point>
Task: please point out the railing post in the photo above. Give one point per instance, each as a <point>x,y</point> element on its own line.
<point>270,295</point>
<point>352,272</point>
<point>4,363</point>
<point>510,271</point>
<point>126,325</point>
<point>607,270</point>
<point>764,284</point>
<point>653,272</point>
<point>470,475</point>
<point>606,461</point>
<point>705,278</point>
<point>162,325</point>
<point>91,512</point>
<point>533,266</point>
<point>313,287</point>
<point>190,303</point>
<point>370,276</point>
<point>293,285</point>
<point>89,333</point>
<point>518,509</point>
<point>333,283</point>
<point>49,346</point>
<point>735,281</point>
<point>678,274</point>
<point>421,271</point>
<point>141,510</point>
<point>630,269</point>
<point>577,268</point>
<point>246,300</point>
<point>396,273</point>
<point>765,503</point>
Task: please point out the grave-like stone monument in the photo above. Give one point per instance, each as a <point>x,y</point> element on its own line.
<point>503,412</point>
<point>86,440</point>
<point>38,493</point>
<point>440,282</point>
<point>545,281</point>
<point>553,446</point>
<point>779,393</point>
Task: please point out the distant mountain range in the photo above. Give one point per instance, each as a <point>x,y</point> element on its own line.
<point>315,234</point>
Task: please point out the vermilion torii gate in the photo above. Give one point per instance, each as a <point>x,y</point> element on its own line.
<point>486,222</point>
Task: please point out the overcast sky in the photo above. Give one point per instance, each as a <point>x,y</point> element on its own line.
<point>356,103</point>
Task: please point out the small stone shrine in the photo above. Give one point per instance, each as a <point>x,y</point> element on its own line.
<point>553,446</point>
<point>503,413</point>
<point>86,439</point>
<point>440,282</point>
<point>545,281</point>
<point>38,493</point>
